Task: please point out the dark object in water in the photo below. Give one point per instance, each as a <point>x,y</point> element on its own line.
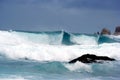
<point>91,58</point>
<point>105,32</point>
<point>117,30</point>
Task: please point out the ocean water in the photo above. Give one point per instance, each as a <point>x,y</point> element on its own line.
<point>45,56</point>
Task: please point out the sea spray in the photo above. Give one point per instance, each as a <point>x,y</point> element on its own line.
<point>79,67</point>
<point>45,56</point>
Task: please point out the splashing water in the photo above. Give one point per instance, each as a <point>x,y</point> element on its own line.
<point>45,56</point>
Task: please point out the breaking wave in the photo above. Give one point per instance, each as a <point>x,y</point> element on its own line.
<point>40,55</point>
<point>56,46</point>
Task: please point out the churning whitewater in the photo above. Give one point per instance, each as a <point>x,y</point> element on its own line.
<point>45,56</point>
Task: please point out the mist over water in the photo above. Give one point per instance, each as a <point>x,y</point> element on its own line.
<point>45,56</point>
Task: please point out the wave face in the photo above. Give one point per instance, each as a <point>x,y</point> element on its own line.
<point>44,56</point>
<point>55,38</point>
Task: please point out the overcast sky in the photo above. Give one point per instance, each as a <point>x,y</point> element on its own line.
<point>83,16</point>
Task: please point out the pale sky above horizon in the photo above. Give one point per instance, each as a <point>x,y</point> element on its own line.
<point>83,16</point>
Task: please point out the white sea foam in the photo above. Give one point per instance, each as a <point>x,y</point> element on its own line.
<point>115,37</point>
<point>41,38</point>
<point>15,46</point>
<point>57,53</point>
<point>78,66</point>
<point>14,78</point>
<point>84,40</point>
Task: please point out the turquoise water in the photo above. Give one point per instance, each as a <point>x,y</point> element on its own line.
<point>45,56</point>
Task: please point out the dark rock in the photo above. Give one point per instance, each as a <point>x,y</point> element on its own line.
<point>91,58</point>
<point>117,30</point>
<point>105,31</point>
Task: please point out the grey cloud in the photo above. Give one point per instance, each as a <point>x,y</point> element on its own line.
<point>93,4</point>
<point>77,4</point>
